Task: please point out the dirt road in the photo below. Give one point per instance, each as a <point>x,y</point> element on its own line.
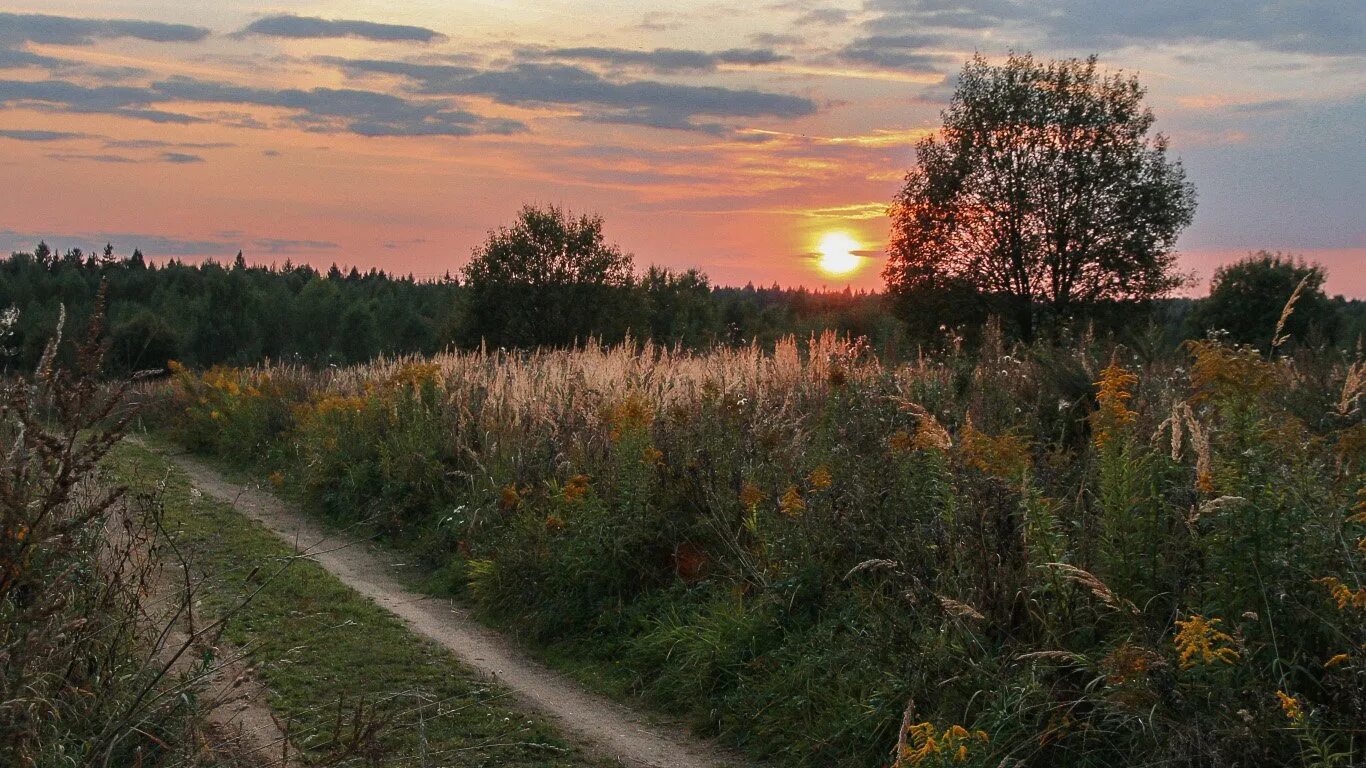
<point>599,724</point>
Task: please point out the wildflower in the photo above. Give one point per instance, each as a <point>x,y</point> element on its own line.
<point>1128,662</point>
<point>215,415</point>
<point>792,503</point>
<point>1113,397</point>
<point>575,489</point>
<point>277,478</point>
<point>630,415</point>
<point>1337,659</point>
<point>510,498</point>
<point>651,455</point>
<point>900,442</point>
<point>553,523</point>
<point>1344,595</point>
<point>930,435</point>
<point>819,478</point>
<point>1199,640</point>
<point>1291,707</point>
<point>750,495</point>
<point>921,741</point>
<point>1006,456</point>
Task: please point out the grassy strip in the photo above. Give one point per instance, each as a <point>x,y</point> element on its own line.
<point>327,653</point>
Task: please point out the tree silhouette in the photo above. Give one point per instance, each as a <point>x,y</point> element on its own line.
<point>548,279</point>
<point>1246,299</point>
<point>1042,187</point>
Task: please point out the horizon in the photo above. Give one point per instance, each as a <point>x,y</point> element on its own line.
<point>737,142</point>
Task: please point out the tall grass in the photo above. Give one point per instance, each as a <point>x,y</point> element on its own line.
<point>1033,556</point>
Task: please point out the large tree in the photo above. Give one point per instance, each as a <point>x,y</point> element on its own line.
<point>550,279</point>
<point>1043,187</point>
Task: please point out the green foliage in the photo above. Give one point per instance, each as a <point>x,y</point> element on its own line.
<point>1246,299</point>
<point>790,548</point>
<point>550,279</point>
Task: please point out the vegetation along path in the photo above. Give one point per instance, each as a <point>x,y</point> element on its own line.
<point>602,725</point>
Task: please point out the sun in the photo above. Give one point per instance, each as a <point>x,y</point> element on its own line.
<point>837,254</point>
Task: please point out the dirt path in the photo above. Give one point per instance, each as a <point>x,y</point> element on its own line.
<point>599,724</point>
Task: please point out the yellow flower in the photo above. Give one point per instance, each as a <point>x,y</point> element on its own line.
<point>1337,659</point>
<point>921,741</point>
<point>575,489</point>
<point>819,478</point>
<point>651,455</point>
<point>277,478</point>
<point>1291,707</point>
<point>750,495</point>
<point>1112,396</point>
<point>1344,595</point>
<point>553,523</point>
<point>634,413</point>
<point>1199,640</point>
<point>901,442</point>
<point>792,504</point>
<point>510,497</point>
<point>215,415</point>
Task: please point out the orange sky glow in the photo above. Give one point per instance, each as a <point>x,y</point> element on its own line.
<point>731,138</point>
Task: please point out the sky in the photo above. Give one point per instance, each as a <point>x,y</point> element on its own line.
<point>731,137</point>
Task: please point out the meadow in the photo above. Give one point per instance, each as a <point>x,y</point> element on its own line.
<point>1075,553</point>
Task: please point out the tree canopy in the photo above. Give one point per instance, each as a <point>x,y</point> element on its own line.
<point>1247,297</point>
<point>550,278</point>
<point>1043,187</point>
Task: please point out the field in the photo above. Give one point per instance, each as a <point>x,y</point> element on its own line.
<point>1077,554</point>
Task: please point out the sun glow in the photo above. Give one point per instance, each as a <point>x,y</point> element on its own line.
<point>837,254</point>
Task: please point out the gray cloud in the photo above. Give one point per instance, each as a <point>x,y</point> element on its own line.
<point>160,144</point>
<point>91,158</point>
<point>323,110</point>
<point>902,52</point>
<point>1331,27</point>
<point>309,27</point>
<point>823,16</point>
<point>668,59</point>
<point>14,58</point>
<point>180,158</point>
<point>771,40</point>
<point>638,102</point>
<point>17,28</point>
<point>123,101</point>
<point>23,135</point>
<point>333,109</point>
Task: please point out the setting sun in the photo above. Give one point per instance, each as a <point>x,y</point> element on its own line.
<point>837,254</point>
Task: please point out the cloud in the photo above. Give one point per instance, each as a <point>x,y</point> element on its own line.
<point>160,144</point>
<point>123,101</point>
<point>772,41</point>
<point>180,158</point>
<point>327,110</point>
<point>90,158</point>
<point>310,27</point>
<point>276,245</point>
<point>17,28</point>
<point>669,59</point>
<point>1324,27</point>
<point>636,102</point>
<point>906,53</point>
<point>824,17</point>
<point>27,135</point>
<point>323,110</point>
<point>13,58</point>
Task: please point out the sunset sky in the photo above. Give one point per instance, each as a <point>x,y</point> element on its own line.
<point>733,137</point>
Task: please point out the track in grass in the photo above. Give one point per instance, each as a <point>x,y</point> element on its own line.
<point>602,727</point>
